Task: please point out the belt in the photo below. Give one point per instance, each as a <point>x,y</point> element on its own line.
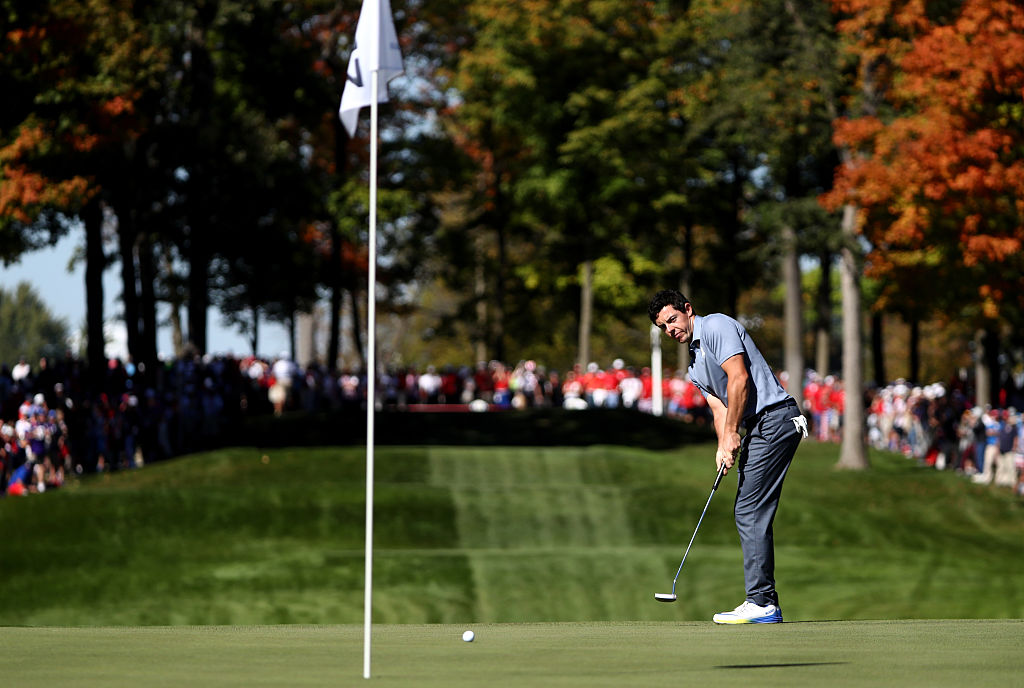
<point>751,421</point>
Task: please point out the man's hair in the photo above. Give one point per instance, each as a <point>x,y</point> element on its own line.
<point>666,297</point>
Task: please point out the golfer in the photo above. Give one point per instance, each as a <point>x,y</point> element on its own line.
<point>742,392</point>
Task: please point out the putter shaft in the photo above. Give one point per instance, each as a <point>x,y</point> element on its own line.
<point>718,481</point>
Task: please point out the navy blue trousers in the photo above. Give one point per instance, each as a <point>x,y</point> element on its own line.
<point>766,453</point>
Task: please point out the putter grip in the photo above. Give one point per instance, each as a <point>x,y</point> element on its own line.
<point>718,480</point>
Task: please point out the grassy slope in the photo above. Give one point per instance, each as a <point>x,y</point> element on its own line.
<point>496,534</point>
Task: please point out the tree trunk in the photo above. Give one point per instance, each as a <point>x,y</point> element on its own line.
<point>127,233</point>
<point>198,296</point>
<point>202,201</point>
<point>878,349</point>
<point>982,384</point>
<point>177,331</point>
<point>683,350</point>
<point>92,217</point>
<point>357,338</point>
<point>334,276</point>
<point>823,321</point>
<point>305,343</point>
<point>147,305</point>
<point>293,353</point>
<point>986,367</point>
<point>586,312</point>
<point>853,452</point>
<point>337,288</point>
<point>732,226</point>
<point>992,364</point>
<point>793,316</point>
<point>174,300</point>
<point>498,318</point>
<point>915,350</point>
<point>480,295</point>
<point>254,333</point>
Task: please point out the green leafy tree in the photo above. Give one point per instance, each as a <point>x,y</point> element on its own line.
<point>222,179</point>
<point>415,162</point>
<point>567,115</point>
<point>27,327</point>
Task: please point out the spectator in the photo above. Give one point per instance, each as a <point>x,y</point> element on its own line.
<point>631,388</point>
<point>502,392</point>
<point>1018,454</point>
<point>553,389</point>
<point>592,390</point>
<point>572,392</point>
<point>20,373</point>
<point>483,379</point>
<point>990,447</point>
<point>429,386</point>
<point>610,380</point>
<point>284,372</point>
<point>1006,463</point>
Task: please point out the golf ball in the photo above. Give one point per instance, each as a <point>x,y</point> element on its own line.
<point>468,636</point>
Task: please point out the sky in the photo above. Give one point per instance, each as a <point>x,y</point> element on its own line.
<point>63,293</point>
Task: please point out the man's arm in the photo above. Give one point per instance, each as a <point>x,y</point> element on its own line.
<point>727,419</point>
<point>718,414</point>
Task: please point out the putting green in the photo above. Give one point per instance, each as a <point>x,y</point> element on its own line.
<point>841,653</point>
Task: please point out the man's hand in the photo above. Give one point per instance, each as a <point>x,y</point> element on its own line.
<point>728,451</point>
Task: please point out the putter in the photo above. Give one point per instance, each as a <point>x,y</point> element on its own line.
<point>671,596</point>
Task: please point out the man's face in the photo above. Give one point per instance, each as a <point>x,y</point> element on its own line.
<point>676,323</point>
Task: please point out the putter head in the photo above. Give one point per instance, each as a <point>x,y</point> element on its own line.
<point>665,596</point>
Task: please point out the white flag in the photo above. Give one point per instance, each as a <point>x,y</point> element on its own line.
<point>376,49</point>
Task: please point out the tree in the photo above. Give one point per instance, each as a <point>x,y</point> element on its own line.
<point>414,160</point>
<point>224,175</point>
<point>853,449</point>
<point>27,327</point>
<point>780,90</point>
<point>938,182</point>
<point>77,72</point>
<point>573,117</point>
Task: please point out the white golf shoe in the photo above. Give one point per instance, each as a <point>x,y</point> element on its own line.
<point>748,612</point>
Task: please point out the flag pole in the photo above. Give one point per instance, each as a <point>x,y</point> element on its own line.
<point>376,50</point>
<point>657,402</point>
<point>371,374</point>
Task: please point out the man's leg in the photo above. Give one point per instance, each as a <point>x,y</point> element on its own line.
<point>767,454</point>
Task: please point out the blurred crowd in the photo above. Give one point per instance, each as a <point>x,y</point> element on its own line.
<point>939,425</point>
<point>945,429</point>
<point>495,385</point>
<point>50,428</point>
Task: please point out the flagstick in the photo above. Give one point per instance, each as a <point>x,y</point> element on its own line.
<point>657,401</point>
<point>371,373</point>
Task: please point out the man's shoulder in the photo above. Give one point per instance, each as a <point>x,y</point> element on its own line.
<point>719,323</point>
<point>718,319</point>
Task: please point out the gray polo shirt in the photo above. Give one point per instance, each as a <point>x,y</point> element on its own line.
<point>716,338</point>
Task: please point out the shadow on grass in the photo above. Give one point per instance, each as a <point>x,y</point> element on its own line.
<point>533,427</point>
<point>776,666</point>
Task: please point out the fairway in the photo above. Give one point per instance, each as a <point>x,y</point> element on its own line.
<point>821,653</point>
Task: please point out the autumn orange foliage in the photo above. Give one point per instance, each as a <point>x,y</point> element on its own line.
<point>80,68</point>
<point>25,192</point>
<point>946,171</point>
